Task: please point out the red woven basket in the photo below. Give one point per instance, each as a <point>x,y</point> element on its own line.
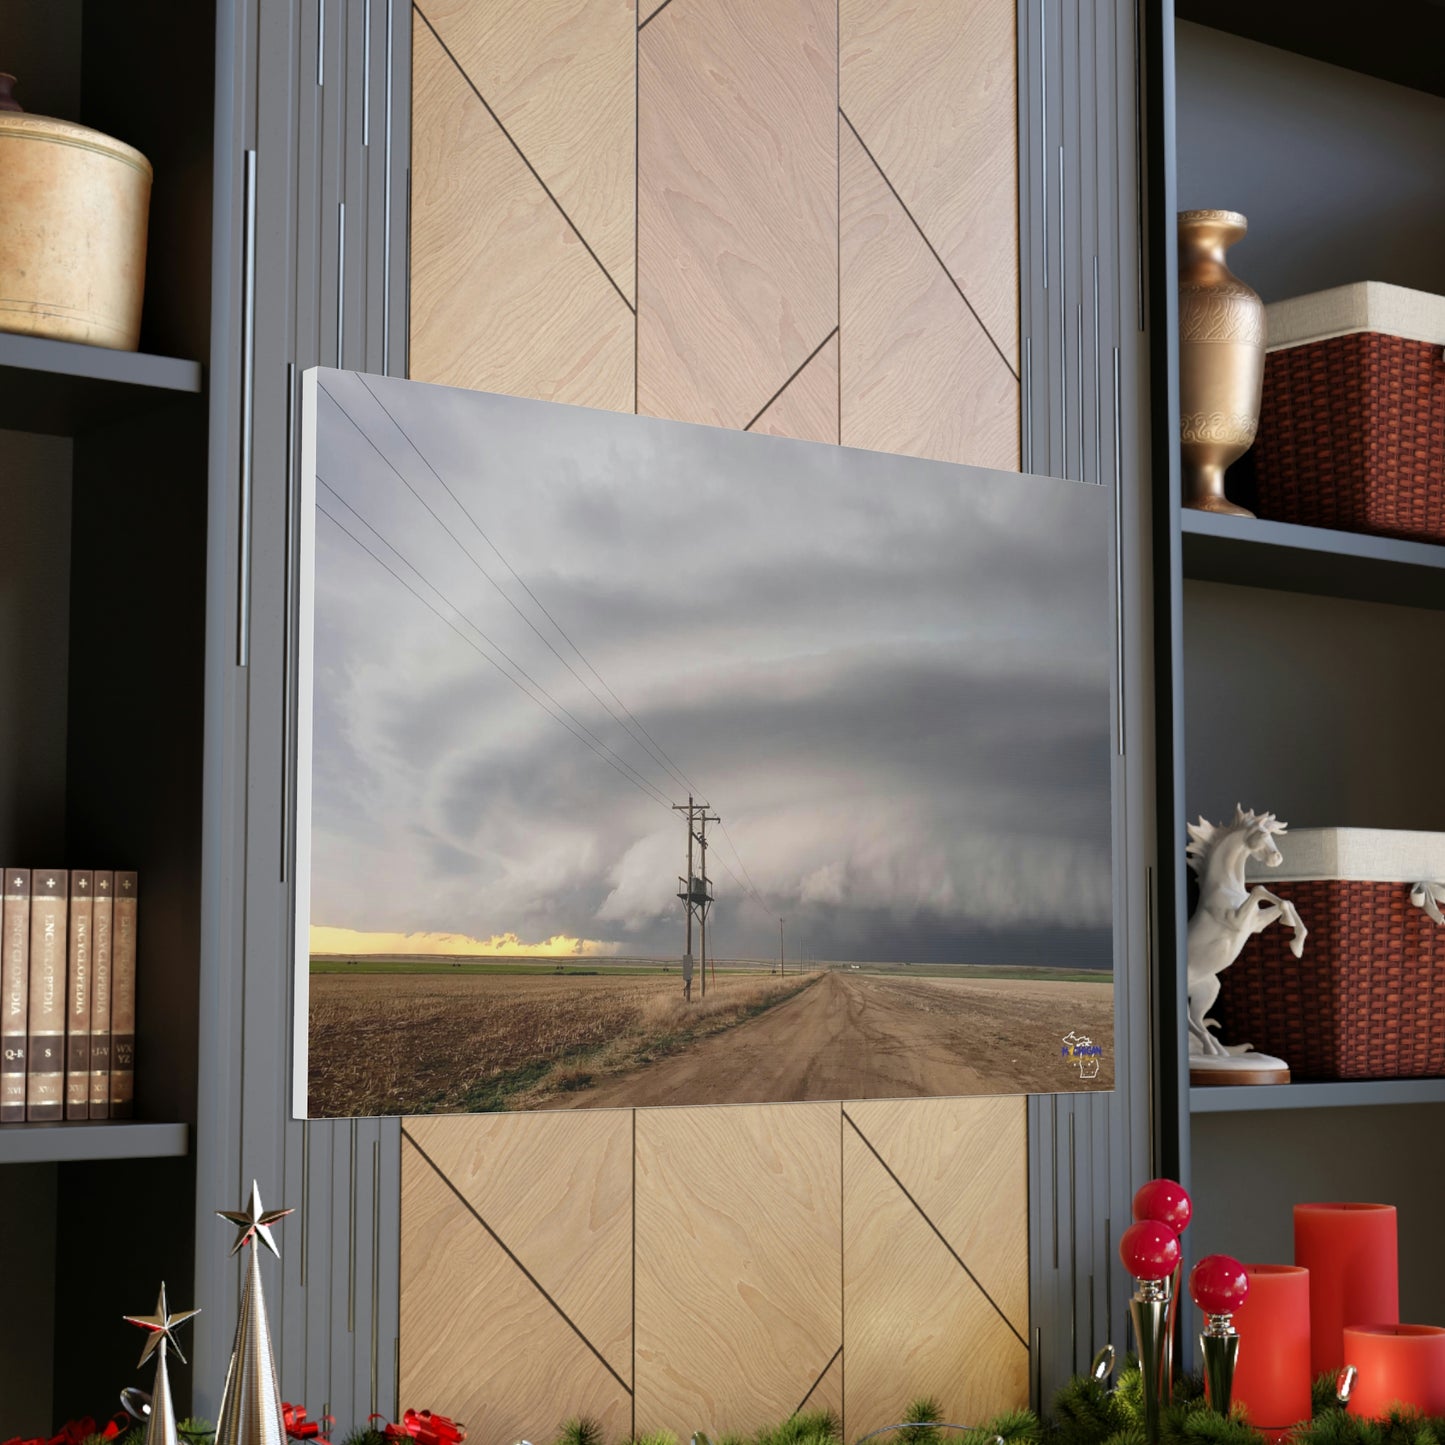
<point>1367,1000</point>
<point>1352,436</point>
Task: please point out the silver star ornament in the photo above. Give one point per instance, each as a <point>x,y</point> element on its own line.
<point>159,1326</point>
<point>254,1221</point>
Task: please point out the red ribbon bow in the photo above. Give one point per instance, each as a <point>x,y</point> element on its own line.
<point>73,1432</point>
<point>298,1427</point>
<point>423,1427</point>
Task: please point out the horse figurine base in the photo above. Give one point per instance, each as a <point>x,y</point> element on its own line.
<point>1248,1068</point>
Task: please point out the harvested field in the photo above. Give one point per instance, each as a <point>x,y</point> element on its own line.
<point>439,1042</point>
<point>443,1043</point>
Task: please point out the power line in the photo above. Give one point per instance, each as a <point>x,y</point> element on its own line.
<point>500,590</point>
<point>585,735</point>
<point>661,753</point>
<point>651,745</point>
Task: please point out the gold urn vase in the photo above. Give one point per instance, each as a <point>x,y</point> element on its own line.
<point>1221,358</point>
<point>73,217</point>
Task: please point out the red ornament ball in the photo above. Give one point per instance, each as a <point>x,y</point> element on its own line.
<point>1219,1284</point>
<point>1166,1201</point>
<point>1149,1250</point>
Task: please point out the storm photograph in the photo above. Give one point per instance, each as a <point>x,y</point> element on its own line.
<point>647,763</point>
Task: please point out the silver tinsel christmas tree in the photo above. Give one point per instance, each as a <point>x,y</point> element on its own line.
<point>250,1412</point>
<point>161,1422</point>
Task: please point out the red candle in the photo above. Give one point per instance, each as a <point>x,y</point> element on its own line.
<point>1398,1365</point>
<point>1351,1253</point>
<point>1272,1378</point>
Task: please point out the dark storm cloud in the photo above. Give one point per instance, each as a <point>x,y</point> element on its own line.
<point>889,676</point>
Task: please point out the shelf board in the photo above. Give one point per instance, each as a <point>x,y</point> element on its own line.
<point>114,1139</point>
<point>1250,552</point>
<point>61,388</point>
<point>1247,1099</point>
<point>1401,41</point>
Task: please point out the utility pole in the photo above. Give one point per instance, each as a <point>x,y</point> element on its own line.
<point>695,894</point>
<point>781,969</point>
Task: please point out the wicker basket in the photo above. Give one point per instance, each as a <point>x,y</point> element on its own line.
<point>1367,1000</point>
<point>1352,421</point>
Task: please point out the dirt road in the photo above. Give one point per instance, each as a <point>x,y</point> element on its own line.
<point>870,1037</point>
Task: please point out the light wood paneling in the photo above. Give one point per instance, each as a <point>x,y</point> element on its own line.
<point>737,202</point>
<point>508,299</point>
<point>932,87</point>
<point>557,1189</point>
<point>827,1394</point>
<point>561,77</point>
<point>807,408</point>
<point>919,373</point>
<point>452,1338</point>
<point>914,1321</point>
<point>738,1290</point>
<point>966,1163</point>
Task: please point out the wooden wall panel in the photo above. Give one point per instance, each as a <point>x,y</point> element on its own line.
<point>965,1163</point>
<point>557,1190</point>
<point>497,247</point>
<point>737,202</point>
<point>919,373</point>
<point>931,86</point>
<point>807,407</point>
<point>560,76</point>
<point>481,1340</point>
<point>915,1318</point>
<point>739,1308</point>
<point>890,324</point>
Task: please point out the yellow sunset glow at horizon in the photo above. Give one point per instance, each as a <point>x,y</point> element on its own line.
<point>328,940</point>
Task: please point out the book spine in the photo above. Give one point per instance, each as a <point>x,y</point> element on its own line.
<point>122,995</point>
<point>100,955</point>
<point>45,1066</point>
<point>14,994</point>
<point>78,996</point>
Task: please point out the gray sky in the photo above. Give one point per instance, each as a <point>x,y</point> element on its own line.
<point>889,676</point>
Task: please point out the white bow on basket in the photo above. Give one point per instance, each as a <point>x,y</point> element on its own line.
<point>1429,896</point>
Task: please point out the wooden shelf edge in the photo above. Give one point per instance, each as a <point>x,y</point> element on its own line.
<point>118,1139</point>
<point>1354,1094</point>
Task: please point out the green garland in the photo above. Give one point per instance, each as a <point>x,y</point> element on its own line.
<point>1084,1413</point>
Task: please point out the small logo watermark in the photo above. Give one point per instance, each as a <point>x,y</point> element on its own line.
<point>1083,1053</point>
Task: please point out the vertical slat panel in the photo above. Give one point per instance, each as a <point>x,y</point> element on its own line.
<point>283,71</point>
<point>1085,364</point>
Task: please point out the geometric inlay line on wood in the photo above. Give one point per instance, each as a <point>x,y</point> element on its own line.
<point>822,1375</point>
<point>511,140</point>
<point>502,1245</point>
<point>797,372</point>
<point>907,1194</point>
<point>933,250</point>
<point>655,13</point>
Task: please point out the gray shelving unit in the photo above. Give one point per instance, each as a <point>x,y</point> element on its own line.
<point>1300,675</point>
<point>115,1140</point>
<point>59,388</point>
<point>1253,552</point>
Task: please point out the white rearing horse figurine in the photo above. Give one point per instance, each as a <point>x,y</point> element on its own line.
<point>1228,912</point>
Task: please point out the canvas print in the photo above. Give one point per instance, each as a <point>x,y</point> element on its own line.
<point>644,763</point>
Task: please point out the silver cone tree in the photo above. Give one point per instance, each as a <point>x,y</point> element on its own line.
<point>161,1422</point>
<point>250,1412</point>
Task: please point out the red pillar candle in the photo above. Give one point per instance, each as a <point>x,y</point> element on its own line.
<point>1398,1365</point>
<point>1272,1378</point>
<point>1351,1253</point>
